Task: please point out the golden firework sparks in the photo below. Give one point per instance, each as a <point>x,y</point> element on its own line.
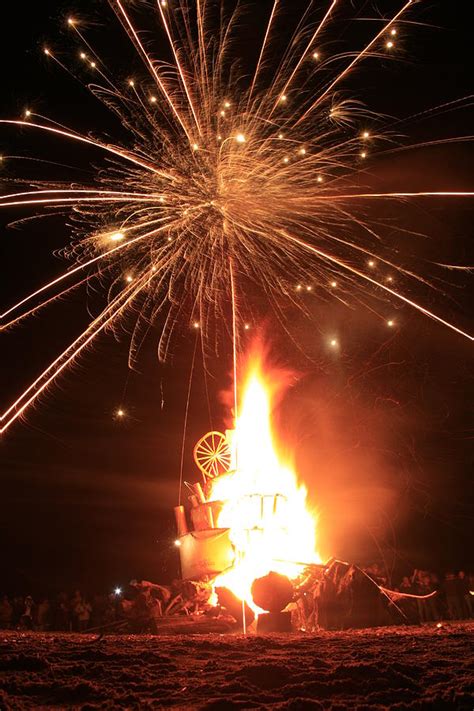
<point>220,180</point>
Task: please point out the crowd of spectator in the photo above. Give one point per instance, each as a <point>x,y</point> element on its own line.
<point>453,599</point>
<point>71,613</point>
<point>450,598</point>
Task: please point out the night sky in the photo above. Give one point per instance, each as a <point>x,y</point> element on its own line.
<point>382,429</point>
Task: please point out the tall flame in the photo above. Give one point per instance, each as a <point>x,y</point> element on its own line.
<point>264,505</point>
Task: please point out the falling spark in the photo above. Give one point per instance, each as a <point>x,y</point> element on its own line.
<point>263,176</point>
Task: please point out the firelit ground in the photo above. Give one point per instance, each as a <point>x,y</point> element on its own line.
<point>402,668</point>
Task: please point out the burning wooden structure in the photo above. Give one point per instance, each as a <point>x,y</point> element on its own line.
<point>248,516</point>
<point>205,549</point>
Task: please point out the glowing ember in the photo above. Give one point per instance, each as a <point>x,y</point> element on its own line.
<point>264,505</point>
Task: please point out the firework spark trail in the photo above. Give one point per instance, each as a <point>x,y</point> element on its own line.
<point>106,318</point>
<point>180,68</point>
<point>304,55</point>
<point>83,139</point>
<point>143,53</point>
<point>380,285</point>
<point>356,59</point>
<point>69,273</point>
<point>262,51</point>
<point>220,182</point>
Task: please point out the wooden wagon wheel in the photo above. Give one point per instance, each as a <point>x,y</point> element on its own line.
<point>212,455</point>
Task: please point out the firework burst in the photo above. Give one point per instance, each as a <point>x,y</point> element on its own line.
<point>228,177</point>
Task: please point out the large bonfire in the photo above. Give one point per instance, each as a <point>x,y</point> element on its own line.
<point>259,500</point>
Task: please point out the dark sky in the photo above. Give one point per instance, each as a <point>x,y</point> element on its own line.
<point>383,429</point>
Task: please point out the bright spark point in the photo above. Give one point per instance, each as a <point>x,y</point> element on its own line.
<point>302,151</point>
<point>280,136</point>
<point>129,278</point>
<point>117,591</point>
<point>389,279</point>
<point>196,324</point>
<point>315,55</point>
<point>27,113</point>
<point>240,138</point>
<point>46,51</point>
<point>82,55</point>
<point>195,147</point>
<point>298,287</point>
<point>393,32</point>
<point>286,159</point>
<point>366,134</point>
<point>93,65</point>
<point>334,284</point>
<point>227,104</point>
<point>247,326</point>
<point>371,263</point>
<point>283,98</point>
<point>319,178</point>
<point>390,323</point>
<point>70,21</point>
<point>177,543</point>
<point>389,44</point>
<point>363,154</point>
<point>309,288</point>
<point>131,83</point>
<point>334,343</point>
<point>117,237</point>
<point>120,412</point>
<point>153,99</point>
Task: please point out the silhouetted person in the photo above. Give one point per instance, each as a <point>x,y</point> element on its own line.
<point>466,597</point>
<point>82,614</point>
<point>18,607</point>
<point>406,586</point>
<point>26,619</point>
<point>452,591</point>
<point>6,613</point>
<point>43,614</point>
<point>61,613</point>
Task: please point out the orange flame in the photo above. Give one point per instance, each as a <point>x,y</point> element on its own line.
<point>264,505</point>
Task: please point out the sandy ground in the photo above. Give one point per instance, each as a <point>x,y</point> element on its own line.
<point>404,668</point>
